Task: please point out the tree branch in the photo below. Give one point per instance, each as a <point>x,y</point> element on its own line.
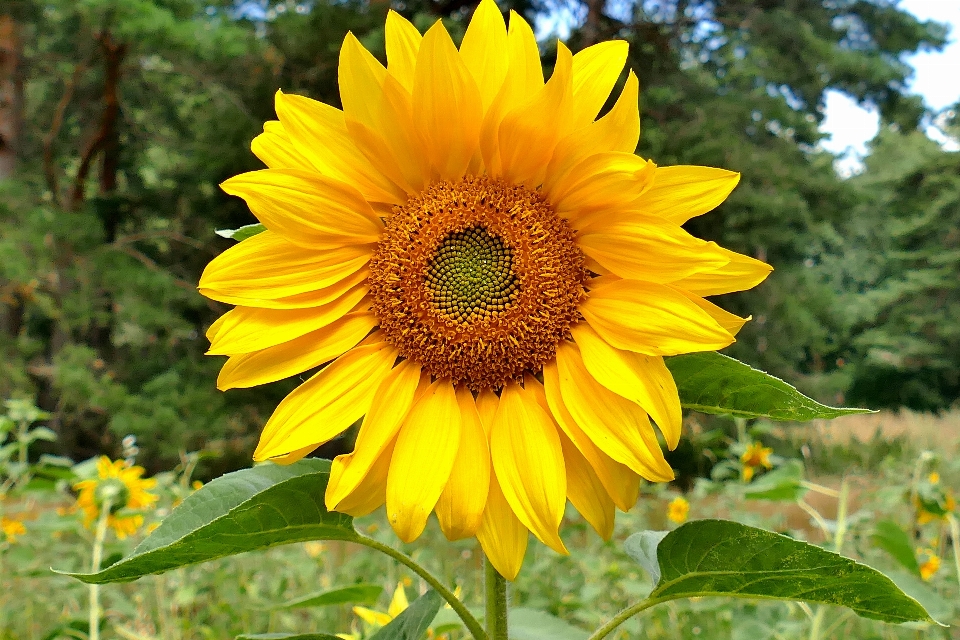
<point>49,169</point>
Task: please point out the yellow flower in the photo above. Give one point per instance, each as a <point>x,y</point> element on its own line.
<point>492,274</point>
<point>753,458</point>
<point>12,528</point>
<point>930,566</point>
<point>398,604</point>
<point>127,491</point>
<point>678,510</point>
<point>933,478</point>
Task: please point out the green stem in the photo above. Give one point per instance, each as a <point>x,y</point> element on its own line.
<point>496,609</point>
<point>98,539</point>
<point>841,532</point>
<point>955,537</point>
<point>468,619</point>
<point>625,615</point>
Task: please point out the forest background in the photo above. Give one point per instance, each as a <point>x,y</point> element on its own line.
<point>118,119</point>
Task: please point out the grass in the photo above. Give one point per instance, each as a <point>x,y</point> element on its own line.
<point>881,456</point>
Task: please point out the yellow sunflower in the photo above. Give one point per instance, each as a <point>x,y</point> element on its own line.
<point>492,274</point>
<point>126,491</point>
<point>755,457</point>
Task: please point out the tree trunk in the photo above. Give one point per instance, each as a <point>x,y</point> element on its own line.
<point>11,95</point>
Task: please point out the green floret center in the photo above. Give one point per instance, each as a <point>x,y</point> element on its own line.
<point>471,276</point>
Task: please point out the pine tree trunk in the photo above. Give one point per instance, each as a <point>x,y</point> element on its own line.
<point>11,95</point>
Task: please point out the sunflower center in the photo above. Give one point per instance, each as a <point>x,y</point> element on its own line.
<point>471,276</point>
<point>477,281</point>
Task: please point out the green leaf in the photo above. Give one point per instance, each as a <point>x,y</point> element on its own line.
<point>710,382</point>
<point>252,509</point>
<point>642,547</point>
<point>783,483</point>
<point>241,234</point>
<point>286,636</point>
<point>722,558</point>
<point>413,621</point>
<point>356,593</point>
<point>531,624</point>
<point>888,535</point>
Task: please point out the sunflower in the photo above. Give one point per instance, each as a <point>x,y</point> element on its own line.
<point>755,457</point>
<point>492,275</point>
<point>127,492</point>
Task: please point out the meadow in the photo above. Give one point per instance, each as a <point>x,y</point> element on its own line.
<point>865,485</point>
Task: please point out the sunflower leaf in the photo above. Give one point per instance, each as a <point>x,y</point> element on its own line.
<point>355,593</point>
<point>782,484</point>
<point>252,509</point>
<point>413,621</point>
<point>286,636</point>
<point>890,537</point>
<point>241,234</point>
<point>710,382</point>
<point>722,558</point>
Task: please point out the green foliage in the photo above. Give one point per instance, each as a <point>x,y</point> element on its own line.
<point>412,622</point>
<point>710,382</point>
<point>247,510</point>
<point>356,593</point>
<point>891,538</point>
<point>286,636</point>
<point>721,558</point>
<point>530,624</point>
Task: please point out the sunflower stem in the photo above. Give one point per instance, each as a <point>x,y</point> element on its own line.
<point>98,539</point>
<point>496,602</point>
<point>469,621</point>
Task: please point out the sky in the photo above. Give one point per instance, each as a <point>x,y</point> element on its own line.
<point>936,78</point>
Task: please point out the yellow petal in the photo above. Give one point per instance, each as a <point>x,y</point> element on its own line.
<point>377,111</point>
<point>371,493</point>
<point>683,192</point>
<point>487,403</point>
<point>391,403</point>
<point>215,327</point>
<point>370,616</point>
<point>619,427</point>
<point>605,181</point>
<point>622,484</point>
<point>618,130</point>
<point>523,80</point>
<point>327,403</point>
<point>529,133</point>
<point>586,492</point>
<point>651,319</point>
<point>460,508</point>
<point>730,322</point>
<point>275,149</point>
<point>299,301</point>
<point>294,456</point>
<point>298,355</point>
<point>306,208</point>
<point>484,50</point>
<point>268,267</point>
<point>534,484</point>
<point>501,535</point>
<point>249,329</point>
<point>319,133</point>
<point>740,274</point>
<point>399,602</point>
<point>425,453</point>
<point>649,249</point>
<point>643,379</point>
<point>403,43</point>
<point>595,71</point>
<point>447,108</point>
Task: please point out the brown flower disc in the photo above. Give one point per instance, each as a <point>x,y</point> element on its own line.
<point>477,281</point>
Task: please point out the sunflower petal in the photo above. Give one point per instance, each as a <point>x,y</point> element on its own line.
<point>649,249</point>
<point>652,319</point>
<point>501,534</point>
<point>423,459</point>
<point>391,403</point>
<point>643,379</point>
<point>460,508</point>
<point>268,267</point>
<point>740,274</point>
<point>371,493</point>
<point>586,492</point>
<point>619,427</point>
<point>299,355</point>
<point>447,108</point>
<point>730,322</point>
<point>403,43</point>
<point>595,71</point>
<point>602,182</point>
<point>307,208</point>
<point>534,485</point>
<point>319,133</point>
<point>529,133</point>
<point>484,50</point>
<point>275,149</point>
<point>249,329</point>
<point>326,404</point>
<point>683,192</point>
